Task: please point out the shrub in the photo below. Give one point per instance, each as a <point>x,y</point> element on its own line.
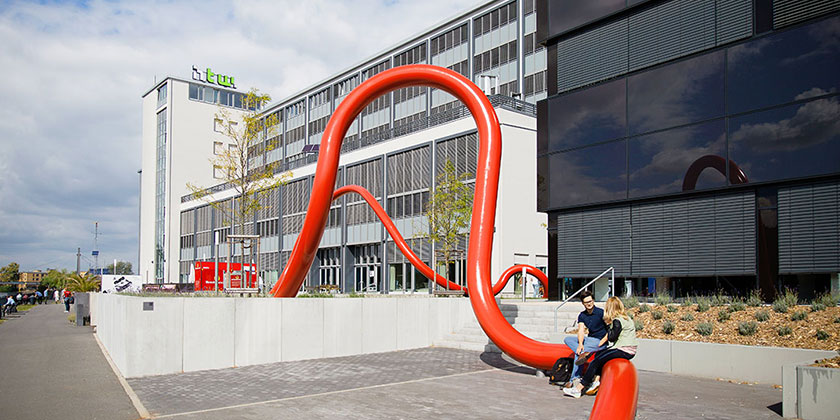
<point>822,335</point>
<point>762,316</point>
<point>687,301</point>
<point>779,306</point>
<point>720,299</point>
<point>704,328</point>
<point>630,302</point>
<point>672,308</point>
<point>644,307</point>
<point>656,314</point>
<point>703,304</point>
<point>816,307</point>
<point>783,330</point>
<point>737,306</point>
<point>747,328</point>
<point>723,315</point>
<point>662,299</point>
<point>828,299</point>
<point>754,298</point>
<point>688,317</point>
<point>790,298</point>
<point>799,316</point>
<point>668,327</point>
<point>837,320</point>
<point>639,324</point>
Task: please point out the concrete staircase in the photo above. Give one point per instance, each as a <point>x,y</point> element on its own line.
<point>534,319</point>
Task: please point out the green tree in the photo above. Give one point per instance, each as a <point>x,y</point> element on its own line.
<point>123,268</point>
<point>56,278</point>
<point>449,210</point>
<point>252,184</point>
<point>85,283</point>
<point>10,272</point>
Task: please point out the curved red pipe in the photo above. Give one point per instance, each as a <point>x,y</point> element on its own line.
<point>416,261</point>
<point>510,272</point>
<point>736,175</point>
<point>525,350</point>
<point>619,391</point>
<point>489,316</point>
<point>395,233</point>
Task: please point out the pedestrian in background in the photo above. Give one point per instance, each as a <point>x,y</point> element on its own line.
<point>55,295</point>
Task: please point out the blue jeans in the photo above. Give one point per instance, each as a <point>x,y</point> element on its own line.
<point>590,344</point>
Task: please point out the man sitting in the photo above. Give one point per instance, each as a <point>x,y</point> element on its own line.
<point>9,307</point>
<point>591,318</point>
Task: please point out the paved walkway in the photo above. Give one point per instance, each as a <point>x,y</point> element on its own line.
<point>52,369</point>
<point>427,383</point>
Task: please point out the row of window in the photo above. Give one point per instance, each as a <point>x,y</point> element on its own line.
<point>494,19</point>
<point>449,40</point>
<point>758,74</point>
<point>212,95</point>
<point>794,141</point>
<point>494,57</point>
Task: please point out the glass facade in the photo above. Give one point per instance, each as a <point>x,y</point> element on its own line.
<point>769,105</point>
<point>672,152</point>
<point>160,194</point>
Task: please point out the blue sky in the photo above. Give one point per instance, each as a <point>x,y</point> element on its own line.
<point>74,73</point>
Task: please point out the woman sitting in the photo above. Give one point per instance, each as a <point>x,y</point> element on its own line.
<point>622,335</point>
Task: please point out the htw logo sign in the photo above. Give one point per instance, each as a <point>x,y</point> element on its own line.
<point>214,78</point>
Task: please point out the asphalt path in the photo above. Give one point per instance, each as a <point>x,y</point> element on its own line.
<point>52,369</point>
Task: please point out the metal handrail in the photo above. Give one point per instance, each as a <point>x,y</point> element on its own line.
<point>612,292</point>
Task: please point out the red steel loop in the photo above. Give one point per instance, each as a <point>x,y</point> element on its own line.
<point>416,261</point>
<point>526,350</point>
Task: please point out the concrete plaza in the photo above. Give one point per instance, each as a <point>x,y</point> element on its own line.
<point>63,374</point>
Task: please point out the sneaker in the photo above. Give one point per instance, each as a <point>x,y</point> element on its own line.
<point>572,382</point>
<point>581,359</point>
<point>573,392</point>
<point>593,389</point>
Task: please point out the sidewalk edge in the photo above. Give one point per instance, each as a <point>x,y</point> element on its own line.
<point>141,409</point>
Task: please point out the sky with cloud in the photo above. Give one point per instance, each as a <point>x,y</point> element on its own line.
<point>73,76</point>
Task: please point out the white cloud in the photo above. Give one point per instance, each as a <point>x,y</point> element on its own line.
<point>74,75</point>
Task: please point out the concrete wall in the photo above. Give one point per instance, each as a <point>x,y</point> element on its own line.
<point>712,360</point>
<point>810,393</point>
<point>190,334</point>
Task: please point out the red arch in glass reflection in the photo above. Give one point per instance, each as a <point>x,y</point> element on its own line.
<point>736,175</point>
<point>524,349</point>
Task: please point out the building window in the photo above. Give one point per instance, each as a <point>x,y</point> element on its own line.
<point>218,148</point>
<point>161,96</point>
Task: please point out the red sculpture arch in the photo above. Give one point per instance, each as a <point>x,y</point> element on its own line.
<point>416,261</point>
<point>508,339</point>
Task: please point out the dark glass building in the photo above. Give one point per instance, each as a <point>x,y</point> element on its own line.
<point>694,145</point>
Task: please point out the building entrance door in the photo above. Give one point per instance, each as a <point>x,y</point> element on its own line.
<point>366,267</point>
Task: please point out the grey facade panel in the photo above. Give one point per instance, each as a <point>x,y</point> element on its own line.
<point>589,242</point>
<point>593,56</point>
<point>809,229</point>
<point>670,30</point>
<point>734,20</point>
<point>788,12</point>
<point>704,236</point>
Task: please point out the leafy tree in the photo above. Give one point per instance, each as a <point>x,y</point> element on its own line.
<point>251,184</point>
<point>123,268</point>
<point>56,278</point>
<point>10,272</point>
<point>449,210</point>
<point>83,283</point>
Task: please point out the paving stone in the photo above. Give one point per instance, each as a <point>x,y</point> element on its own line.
<point>428,383</point>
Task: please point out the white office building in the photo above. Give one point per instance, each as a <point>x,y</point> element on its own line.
<point>395,148</point>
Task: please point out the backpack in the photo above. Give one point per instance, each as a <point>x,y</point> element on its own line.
<point>561,372</point>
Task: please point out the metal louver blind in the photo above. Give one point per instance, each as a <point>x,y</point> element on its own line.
<point>788,12</point>
<point>591,241</point>
<point>592,56</point>
<point>734,20</point>
<point>670,30</point>
<point>809,229</point>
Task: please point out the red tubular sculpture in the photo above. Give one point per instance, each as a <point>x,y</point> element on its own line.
<point>736,175</point>
<point>416,261</point>
<point>619,391</point>
<point>516,345</point>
